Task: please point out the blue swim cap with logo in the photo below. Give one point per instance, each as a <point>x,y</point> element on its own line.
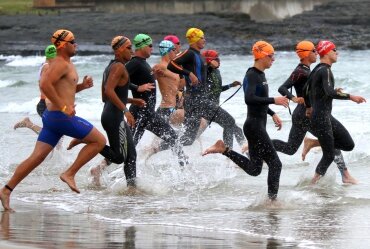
<point>165,47</point>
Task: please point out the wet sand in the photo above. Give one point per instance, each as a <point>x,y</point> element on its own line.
<point>41,226</point>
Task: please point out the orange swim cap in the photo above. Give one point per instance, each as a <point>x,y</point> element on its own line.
<point>120,41</point>
<point>193,35</point>
<point>324,47</point>
<point>262,49</point>
<point>304,48</point>
<point>62,36</point>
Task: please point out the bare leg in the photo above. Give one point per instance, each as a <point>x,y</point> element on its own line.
<point>347,178</point>
<point>74,143</point>
<point>96,172</point>
<point>5,199</point>
<point>308,144</point>
<point>27,166</point>
<point>218,147</point>
<point>315,178</point>
<point>95,142</point>
<point>245,148</point>
<point>27,123</point>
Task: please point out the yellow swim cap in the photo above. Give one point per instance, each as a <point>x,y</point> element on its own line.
<point>193,35</point>
<point>62,36</point>
<point>262,49</point>
<point>304,48</point>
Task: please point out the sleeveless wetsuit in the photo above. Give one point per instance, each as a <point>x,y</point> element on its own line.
<point>300,123</point>
<point>331,133</point>
<point>196,103</point>
<point>260,146</point>
<point>122,147</point>
<point>145,117</point>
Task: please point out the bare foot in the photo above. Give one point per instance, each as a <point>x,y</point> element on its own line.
<point>26,122</point>
<point>70,182</point>
<point>96,173</point>
<point>218,147</point>
<point>347,178</point>
<point>5,199</point>
<point>245,148</point>
<point>308,144</point>
<point>315,178</point>
<point>73,143</point>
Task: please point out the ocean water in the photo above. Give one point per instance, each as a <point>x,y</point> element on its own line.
<point>210,194</point>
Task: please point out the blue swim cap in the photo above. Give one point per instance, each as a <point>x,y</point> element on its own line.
<point>165,47</point>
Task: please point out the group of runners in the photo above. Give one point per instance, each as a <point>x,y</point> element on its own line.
<point>190,84</point>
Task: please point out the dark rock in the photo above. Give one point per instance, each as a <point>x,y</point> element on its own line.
<point>344,22</point>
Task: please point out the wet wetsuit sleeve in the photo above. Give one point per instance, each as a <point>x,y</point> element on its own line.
<point>270,112</point>
<point>132,86</point>
<point>284,88</point>
<point>226,87</point>
<point>250,92</point>
<point>328,86</point>
<point>177,64</point>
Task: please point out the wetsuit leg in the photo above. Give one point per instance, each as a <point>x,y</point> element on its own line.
<point>162,129</point>
<point>130,162</point>
<point>321,125</point>
<point>122,148</point>
<point>296,136</point>
<point>239,135</point>
<point>342,138</point>
<point>212,111</point>
<point>260,148</point>
<point>192,120</point>
<point>300,126</point>
<point>141,121</point>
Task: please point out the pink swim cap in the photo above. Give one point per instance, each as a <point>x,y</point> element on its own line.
<point>173,38</point>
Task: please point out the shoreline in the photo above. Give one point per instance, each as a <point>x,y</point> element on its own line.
<point>344,23</point>
<point>41,226</point>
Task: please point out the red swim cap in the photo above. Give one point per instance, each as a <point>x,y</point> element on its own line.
<point>173,38</point>
<point>324,47</point>
<point>210,55</point>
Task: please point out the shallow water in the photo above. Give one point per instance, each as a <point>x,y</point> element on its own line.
<point>211,196</point>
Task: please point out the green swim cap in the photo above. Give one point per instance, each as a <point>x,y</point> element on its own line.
<point>142,40</point>
<point>50,52</point>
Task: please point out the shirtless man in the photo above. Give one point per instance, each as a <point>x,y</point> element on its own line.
<point>169,82</point>
<point>59,84</point>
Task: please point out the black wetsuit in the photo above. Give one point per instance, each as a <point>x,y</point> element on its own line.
<point>260,146</point>
<point>145,117</point>
<point>300,123</point>
<point>214,89</point>
<point>41,107</point>
<point>196,103</point>
<point>319,94</point>
<point>122,147</point>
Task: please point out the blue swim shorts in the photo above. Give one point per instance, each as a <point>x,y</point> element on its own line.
<point>56,124</point>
